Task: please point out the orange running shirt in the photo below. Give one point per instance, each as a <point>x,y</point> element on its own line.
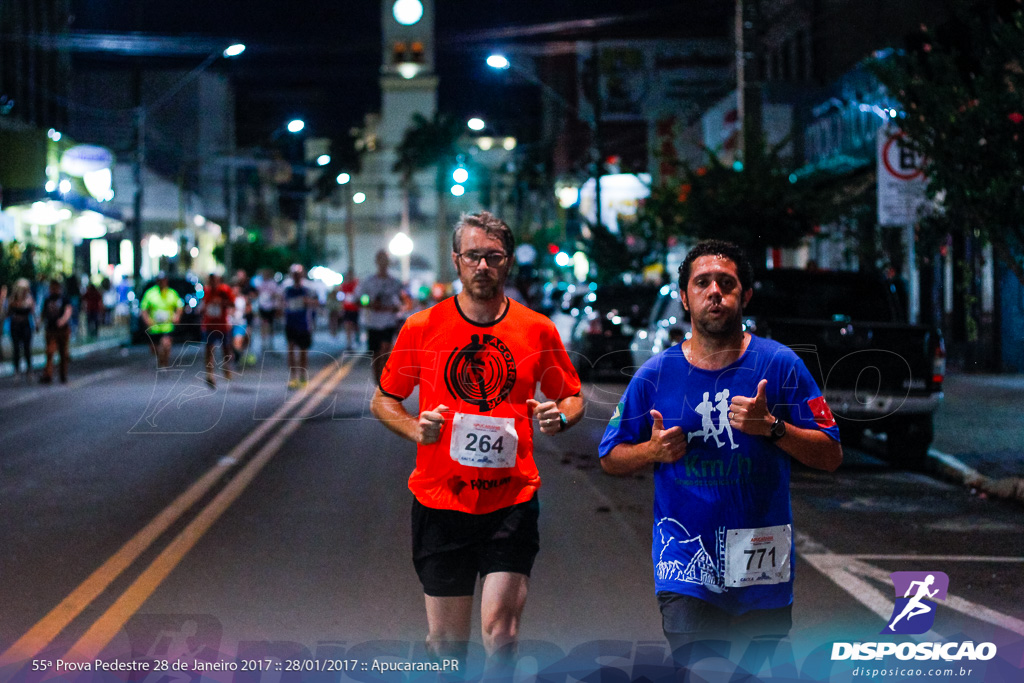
<point>484,373</point>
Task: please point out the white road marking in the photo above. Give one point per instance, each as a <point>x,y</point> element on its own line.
<point>851,573</point>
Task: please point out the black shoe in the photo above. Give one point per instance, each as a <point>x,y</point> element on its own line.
<point>45,379</point>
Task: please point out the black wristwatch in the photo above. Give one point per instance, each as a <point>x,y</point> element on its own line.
<point>777,430</point>
<point>563,422</point>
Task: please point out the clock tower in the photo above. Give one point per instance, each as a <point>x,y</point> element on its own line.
<point>408,86</point>
<point>407,81</point>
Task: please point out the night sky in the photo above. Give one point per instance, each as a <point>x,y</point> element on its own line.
<point>319,59</point>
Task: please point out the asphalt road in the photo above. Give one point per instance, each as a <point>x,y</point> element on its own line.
<point>148,518</point>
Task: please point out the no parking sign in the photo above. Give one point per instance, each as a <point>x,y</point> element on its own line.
<point>901,179</point>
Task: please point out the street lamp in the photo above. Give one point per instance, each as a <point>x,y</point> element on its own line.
<point>141,113</point>
<point>344,179</point>
<point>296,125</point>
<point>501,62</point>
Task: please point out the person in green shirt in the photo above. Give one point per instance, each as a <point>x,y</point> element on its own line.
<point>161,309</point>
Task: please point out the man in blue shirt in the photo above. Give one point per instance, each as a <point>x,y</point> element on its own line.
<point>299,310</point>
<point>719,416</point>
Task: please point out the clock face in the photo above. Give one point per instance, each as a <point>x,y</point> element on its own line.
<point>407,12</point>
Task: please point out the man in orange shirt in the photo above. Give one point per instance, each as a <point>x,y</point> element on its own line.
<point>477,359</point>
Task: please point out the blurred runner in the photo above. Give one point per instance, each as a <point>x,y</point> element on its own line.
<point>57,312</point>
<point>242,318</point>
<point>21,314</point>
<point>218,300</point>
<point>350,309</point>
<point>268,297</point>
<point>161,310</point>
<point>381,296</point>
<point>299,309</point>
<point>93,301</point>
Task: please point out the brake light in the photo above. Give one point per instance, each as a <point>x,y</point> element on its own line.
<point>939,363</point>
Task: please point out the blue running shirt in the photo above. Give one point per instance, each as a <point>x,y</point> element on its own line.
<point>722,517</point>
<point>297,314</point>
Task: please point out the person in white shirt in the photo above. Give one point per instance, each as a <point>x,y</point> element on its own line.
<point>381,298</point>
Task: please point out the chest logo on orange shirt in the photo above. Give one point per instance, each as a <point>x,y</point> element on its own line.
<point>481,373</point>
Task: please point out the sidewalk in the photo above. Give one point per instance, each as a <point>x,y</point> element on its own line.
<point>979,434</point>
<point>109,337</point>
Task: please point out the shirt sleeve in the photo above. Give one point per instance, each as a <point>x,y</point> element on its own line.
<point>402,370</point>
<point>631,422</point>
<point>803,402</point>
<point>559,378</point>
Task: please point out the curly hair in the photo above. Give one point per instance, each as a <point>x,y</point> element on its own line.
<point>728,250</point>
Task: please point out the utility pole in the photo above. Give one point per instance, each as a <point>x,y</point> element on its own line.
<point>748,77</point>
<point>232,182</point>
<point>595,58</point>
<point>138,170</point>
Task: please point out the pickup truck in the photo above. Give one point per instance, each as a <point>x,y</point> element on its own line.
<point>877,371</point>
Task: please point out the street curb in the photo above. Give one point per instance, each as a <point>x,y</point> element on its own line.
<point>79,351</point>
<point>951,469</point>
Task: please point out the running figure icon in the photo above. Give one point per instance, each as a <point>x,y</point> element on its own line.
<point>708,429</point>
<point>916,606</point>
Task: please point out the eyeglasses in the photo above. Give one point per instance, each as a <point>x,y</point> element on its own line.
<point>494,259</point>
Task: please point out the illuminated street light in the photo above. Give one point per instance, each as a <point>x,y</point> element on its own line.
<point>142,111</point>
<point>296,125</point>
<point>497,61</point>
<point>476,123</point>
<point>343,178</point>
<point>323,160</point>
<point>359,198</point>
<point>407,12</point>
<point>401,245</point>
<point>460,175</point>
<point>458,190</point>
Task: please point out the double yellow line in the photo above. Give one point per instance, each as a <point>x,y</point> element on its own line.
<point>104,629</point>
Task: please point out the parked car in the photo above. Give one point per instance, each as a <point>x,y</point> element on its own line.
<point>605,320</point>
<point>877,371</point>
<point>667,324</point>
<point>191,292</point>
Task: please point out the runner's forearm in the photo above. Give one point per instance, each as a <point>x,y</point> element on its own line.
<point>627,458</point>
<point>812,447</point>
<point>572,407</point>
<point>395,417</point>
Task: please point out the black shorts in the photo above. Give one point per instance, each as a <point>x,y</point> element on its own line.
<point>376,339</point>
<point>686,619</point>
<point>268,316</point>
<point>156,337</point>
<point>350,316</point>
<point>450,549</point>
<point>301,338</point>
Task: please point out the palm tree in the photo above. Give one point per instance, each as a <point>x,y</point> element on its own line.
<point>426,143</point>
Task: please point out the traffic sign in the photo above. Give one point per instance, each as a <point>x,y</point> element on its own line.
<point>901,179</point>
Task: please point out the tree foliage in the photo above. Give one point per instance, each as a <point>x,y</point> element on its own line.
<point>432,142</point>
<point>253,254</point>
<point>757,205</point>
<point>961,90</point>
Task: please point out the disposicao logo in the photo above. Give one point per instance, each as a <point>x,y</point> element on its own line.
<point>914,612</point>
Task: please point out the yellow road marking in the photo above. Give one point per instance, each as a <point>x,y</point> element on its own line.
<point>44,631</point>
<point>90,645</point>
